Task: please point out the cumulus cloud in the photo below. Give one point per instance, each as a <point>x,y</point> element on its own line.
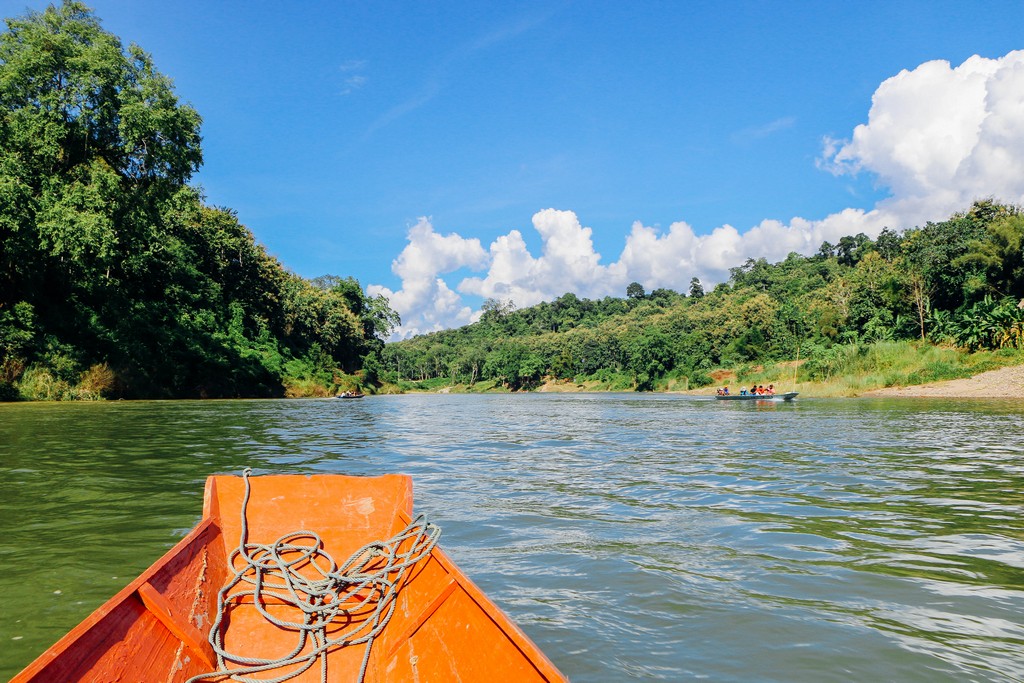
<point>940,137</point>
<point>937,137</point>
<point>568,264</point>
<point>425,302</point>
<point>670,259</point>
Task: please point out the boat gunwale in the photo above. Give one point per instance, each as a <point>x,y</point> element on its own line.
<point>51,654</point>
<point>522,642</point>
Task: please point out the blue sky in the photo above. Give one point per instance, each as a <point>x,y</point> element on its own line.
<point>410,143</point>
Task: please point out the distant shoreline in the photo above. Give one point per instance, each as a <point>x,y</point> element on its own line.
<point>1005,382</point>
<point>1002,383</point>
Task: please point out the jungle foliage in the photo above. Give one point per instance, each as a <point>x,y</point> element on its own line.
<point>959,282</point>
<point>116,277</point>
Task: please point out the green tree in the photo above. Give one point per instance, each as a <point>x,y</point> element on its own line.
<point>635,290</point>
<point>93,138</point>
<point>934,254</point>
<point>94,147</point>
<point>109,259</point>
<point>889,244</point>
<point>505,364</point>
<point>1000,255</point>
<point>375,314</point>
<point>850,250</point>
<point>649,357</point>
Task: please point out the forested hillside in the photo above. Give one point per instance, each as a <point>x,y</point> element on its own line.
<point>116,277</point>
<point>958,282</point>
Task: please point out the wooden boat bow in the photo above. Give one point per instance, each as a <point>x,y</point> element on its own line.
<point>442,627</point>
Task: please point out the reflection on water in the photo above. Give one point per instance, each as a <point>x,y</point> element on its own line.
<point>631,536</point>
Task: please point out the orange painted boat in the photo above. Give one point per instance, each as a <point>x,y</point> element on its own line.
<point>211,593</point>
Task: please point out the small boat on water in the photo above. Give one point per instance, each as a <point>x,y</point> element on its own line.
<point>350,394</point>
<point>213,609</point>
<point>788,396</point>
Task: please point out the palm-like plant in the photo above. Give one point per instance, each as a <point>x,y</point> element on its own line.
<point>990,324</point>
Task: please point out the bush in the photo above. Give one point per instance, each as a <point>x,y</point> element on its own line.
<point>940,369</point>
<point>39,384</point>
<point>304,388</point>
<point>97,382</point>
<point>699,378</point>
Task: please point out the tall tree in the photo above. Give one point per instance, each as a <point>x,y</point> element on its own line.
<point>92,139</point>
<point>1000,254</point>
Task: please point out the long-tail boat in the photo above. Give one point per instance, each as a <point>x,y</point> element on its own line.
<point>213,608</point>
<point>788,396</point>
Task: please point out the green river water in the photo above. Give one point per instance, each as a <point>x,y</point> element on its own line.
<point>644,537</point>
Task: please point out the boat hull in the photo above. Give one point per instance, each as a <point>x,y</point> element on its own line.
<point>155,629</point>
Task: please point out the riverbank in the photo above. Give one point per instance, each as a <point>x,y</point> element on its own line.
<point>890,369</point>
<point>1005,382</point>
<point>1002,383</point>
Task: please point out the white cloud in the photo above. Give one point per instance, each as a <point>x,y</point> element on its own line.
<point>940,137</point>
<point>670,259</point>
<point>937,137</point>
<point>425,302</point>
<point>429,253</point>
<point>568,264</point>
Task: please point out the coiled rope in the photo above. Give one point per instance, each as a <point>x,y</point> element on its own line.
<point>358,597</point>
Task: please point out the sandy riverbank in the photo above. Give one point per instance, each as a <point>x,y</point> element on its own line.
<point>1001,383</point>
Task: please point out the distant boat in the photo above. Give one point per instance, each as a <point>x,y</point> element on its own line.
<point>350,394</point>
<point>402,610</point>
<point>788,396</point>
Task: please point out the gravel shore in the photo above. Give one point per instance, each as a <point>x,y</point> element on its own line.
<point>1001,383</point>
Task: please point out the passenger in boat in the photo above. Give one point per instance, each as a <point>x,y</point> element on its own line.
<point>771,389</point>
<point>719,392</point>
<point>760,390</point>
<point>727,391</point>
<point>743,391</point>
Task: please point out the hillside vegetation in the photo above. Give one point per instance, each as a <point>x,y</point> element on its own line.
<point>932,302</point>
<point>116,277</point>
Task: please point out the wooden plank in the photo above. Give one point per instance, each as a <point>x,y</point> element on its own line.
<point>161,608</point>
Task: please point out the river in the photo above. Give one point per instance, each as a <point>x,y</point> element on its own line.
<point>632,536</point>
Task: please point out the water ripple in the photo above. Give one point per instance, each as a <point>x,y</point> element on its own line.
<point>631,536</point>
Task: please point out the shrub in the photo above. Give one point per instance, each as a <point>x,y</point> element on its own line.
<point>97,382</point>
<point>699,378</point>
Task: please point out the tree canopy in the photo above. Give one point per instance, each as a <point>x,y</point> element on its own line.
<point>116,276</point>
